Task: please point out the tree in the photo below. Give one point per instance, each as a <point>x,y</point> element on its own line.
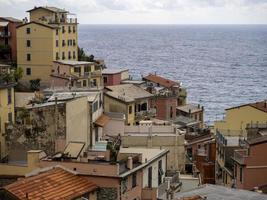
<point>83,57</point>
<point>18,73</point>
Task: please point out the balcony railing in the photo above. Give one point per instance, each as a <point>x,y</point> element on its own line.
<point>5,34</point>
<point>239,156</point>
<point>145,113</point>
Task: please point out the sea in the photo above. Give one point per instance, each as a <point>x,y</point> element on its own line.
<point>220,65</point>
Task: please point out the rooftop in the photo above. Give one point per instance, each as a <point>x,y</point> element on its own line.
<point>50,8</point>
<point>113,71</point>
<point>147,154</point>
<point>127,92</point>
<point>10,19</point>
<point>62,96</point>
<point>258,105</point>
<point>160,80</point>
<point>216,192</point>
<point>74,62</point>
<point>52,183</point>
<point>190,108</point>
<point>259,140</point>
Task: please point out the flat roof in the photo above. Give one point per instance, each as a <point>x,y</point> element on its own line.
<point>61,96</point>
<point>217,192</point>
<point>147,154</point>
<point>193,108</point>
<point>127,92</point>
<point>113,71</point>
<point>73,62</point>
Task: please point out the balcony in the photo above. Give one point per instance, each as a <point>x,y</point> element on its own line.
<point>240,155</point>
<point>5,34</point>
<point>144,114</point>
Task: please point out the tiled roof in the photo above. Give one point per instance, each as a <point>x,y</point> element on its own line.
<point>55,184</point>
<point>11,19</point>
<point>258,105</point>
<point>50,8</point>
<point>160,80</point>
<point>127,92</point>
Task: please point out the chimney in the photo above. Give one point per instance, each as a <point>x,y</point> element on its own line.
<point>130,162</point>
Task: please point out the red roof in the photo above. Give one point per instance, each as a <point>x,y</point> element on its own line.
<point>160,80</point>
<point>55,183</point>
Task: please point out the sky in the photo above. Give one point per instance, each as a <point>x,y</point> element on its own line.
<point>150,11</point>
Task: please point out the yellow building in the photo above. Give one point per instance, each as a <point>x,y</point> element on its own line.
<point>230,133</point>
<point>50,35</point>
<point>130,100</point>
<point>6,112</point>
<point>237,118</point>
<point>70,73</point>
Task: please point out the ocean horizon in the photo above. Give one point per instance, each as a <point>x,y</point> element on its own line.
<point>222,65</point>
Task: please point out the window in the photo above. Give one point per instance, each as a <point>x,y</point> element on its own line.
<point>69,29</point>
<point>149,180</point>
<point>63,43</point>
<point>57,56</point>
<point>160,172</point>
<point>105,79</point>
<point>69,55</point>
<point>130,109</point>
<point>77,69</point>
<point>200,117</point>
<point>94,82</point>
<point>9,96</point>
<point>171,112</point>
<point>73,29</point>
<point>28,30</point>
<point>241,174</point>
<point>74,54</point>
<point>84,83</point>
<point>63,55</point>
<point>56,43</point>
<point>9,117</point>
<point>56,31</point>
<point>74,43</point>
<point>28,43</point>
<point>28,71</point>
<point>28,57</point>
<point>95,106</point>
<point>63,29</point>
<point>87,69</point>
<point>134,180</point>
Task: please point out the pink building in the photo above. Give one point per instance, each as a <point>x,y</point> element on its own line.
<point>250,168</point>
<point>8,35</point>
<point>114,76</point>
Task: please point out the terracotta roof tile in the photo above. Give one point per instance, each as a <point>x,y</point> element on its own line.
<point>160,80</point>
<point>55,183</point>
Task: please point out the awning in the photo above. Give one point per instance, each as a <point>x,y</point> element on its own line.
<point>102,120</point>
<point>73,149</point>
<point>4,23</point>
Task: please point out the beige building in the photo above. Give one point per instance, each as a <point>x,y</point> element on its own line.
<point>51,34</point>
<point>70,73</point>
<point>161,137</point>
<point>237,118</point>
<point>192,111</point>
<point>7,112</point>
<point>130,100</point>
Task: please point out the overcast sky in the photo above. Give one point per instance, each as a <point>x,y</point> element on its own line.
<point>150,11</point>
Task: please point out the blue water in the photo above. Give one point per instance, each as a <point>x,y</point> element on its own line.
<point>220,65</point>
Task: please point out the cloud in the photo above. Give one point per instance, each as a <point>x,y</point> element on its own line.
<point>150,11</point>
